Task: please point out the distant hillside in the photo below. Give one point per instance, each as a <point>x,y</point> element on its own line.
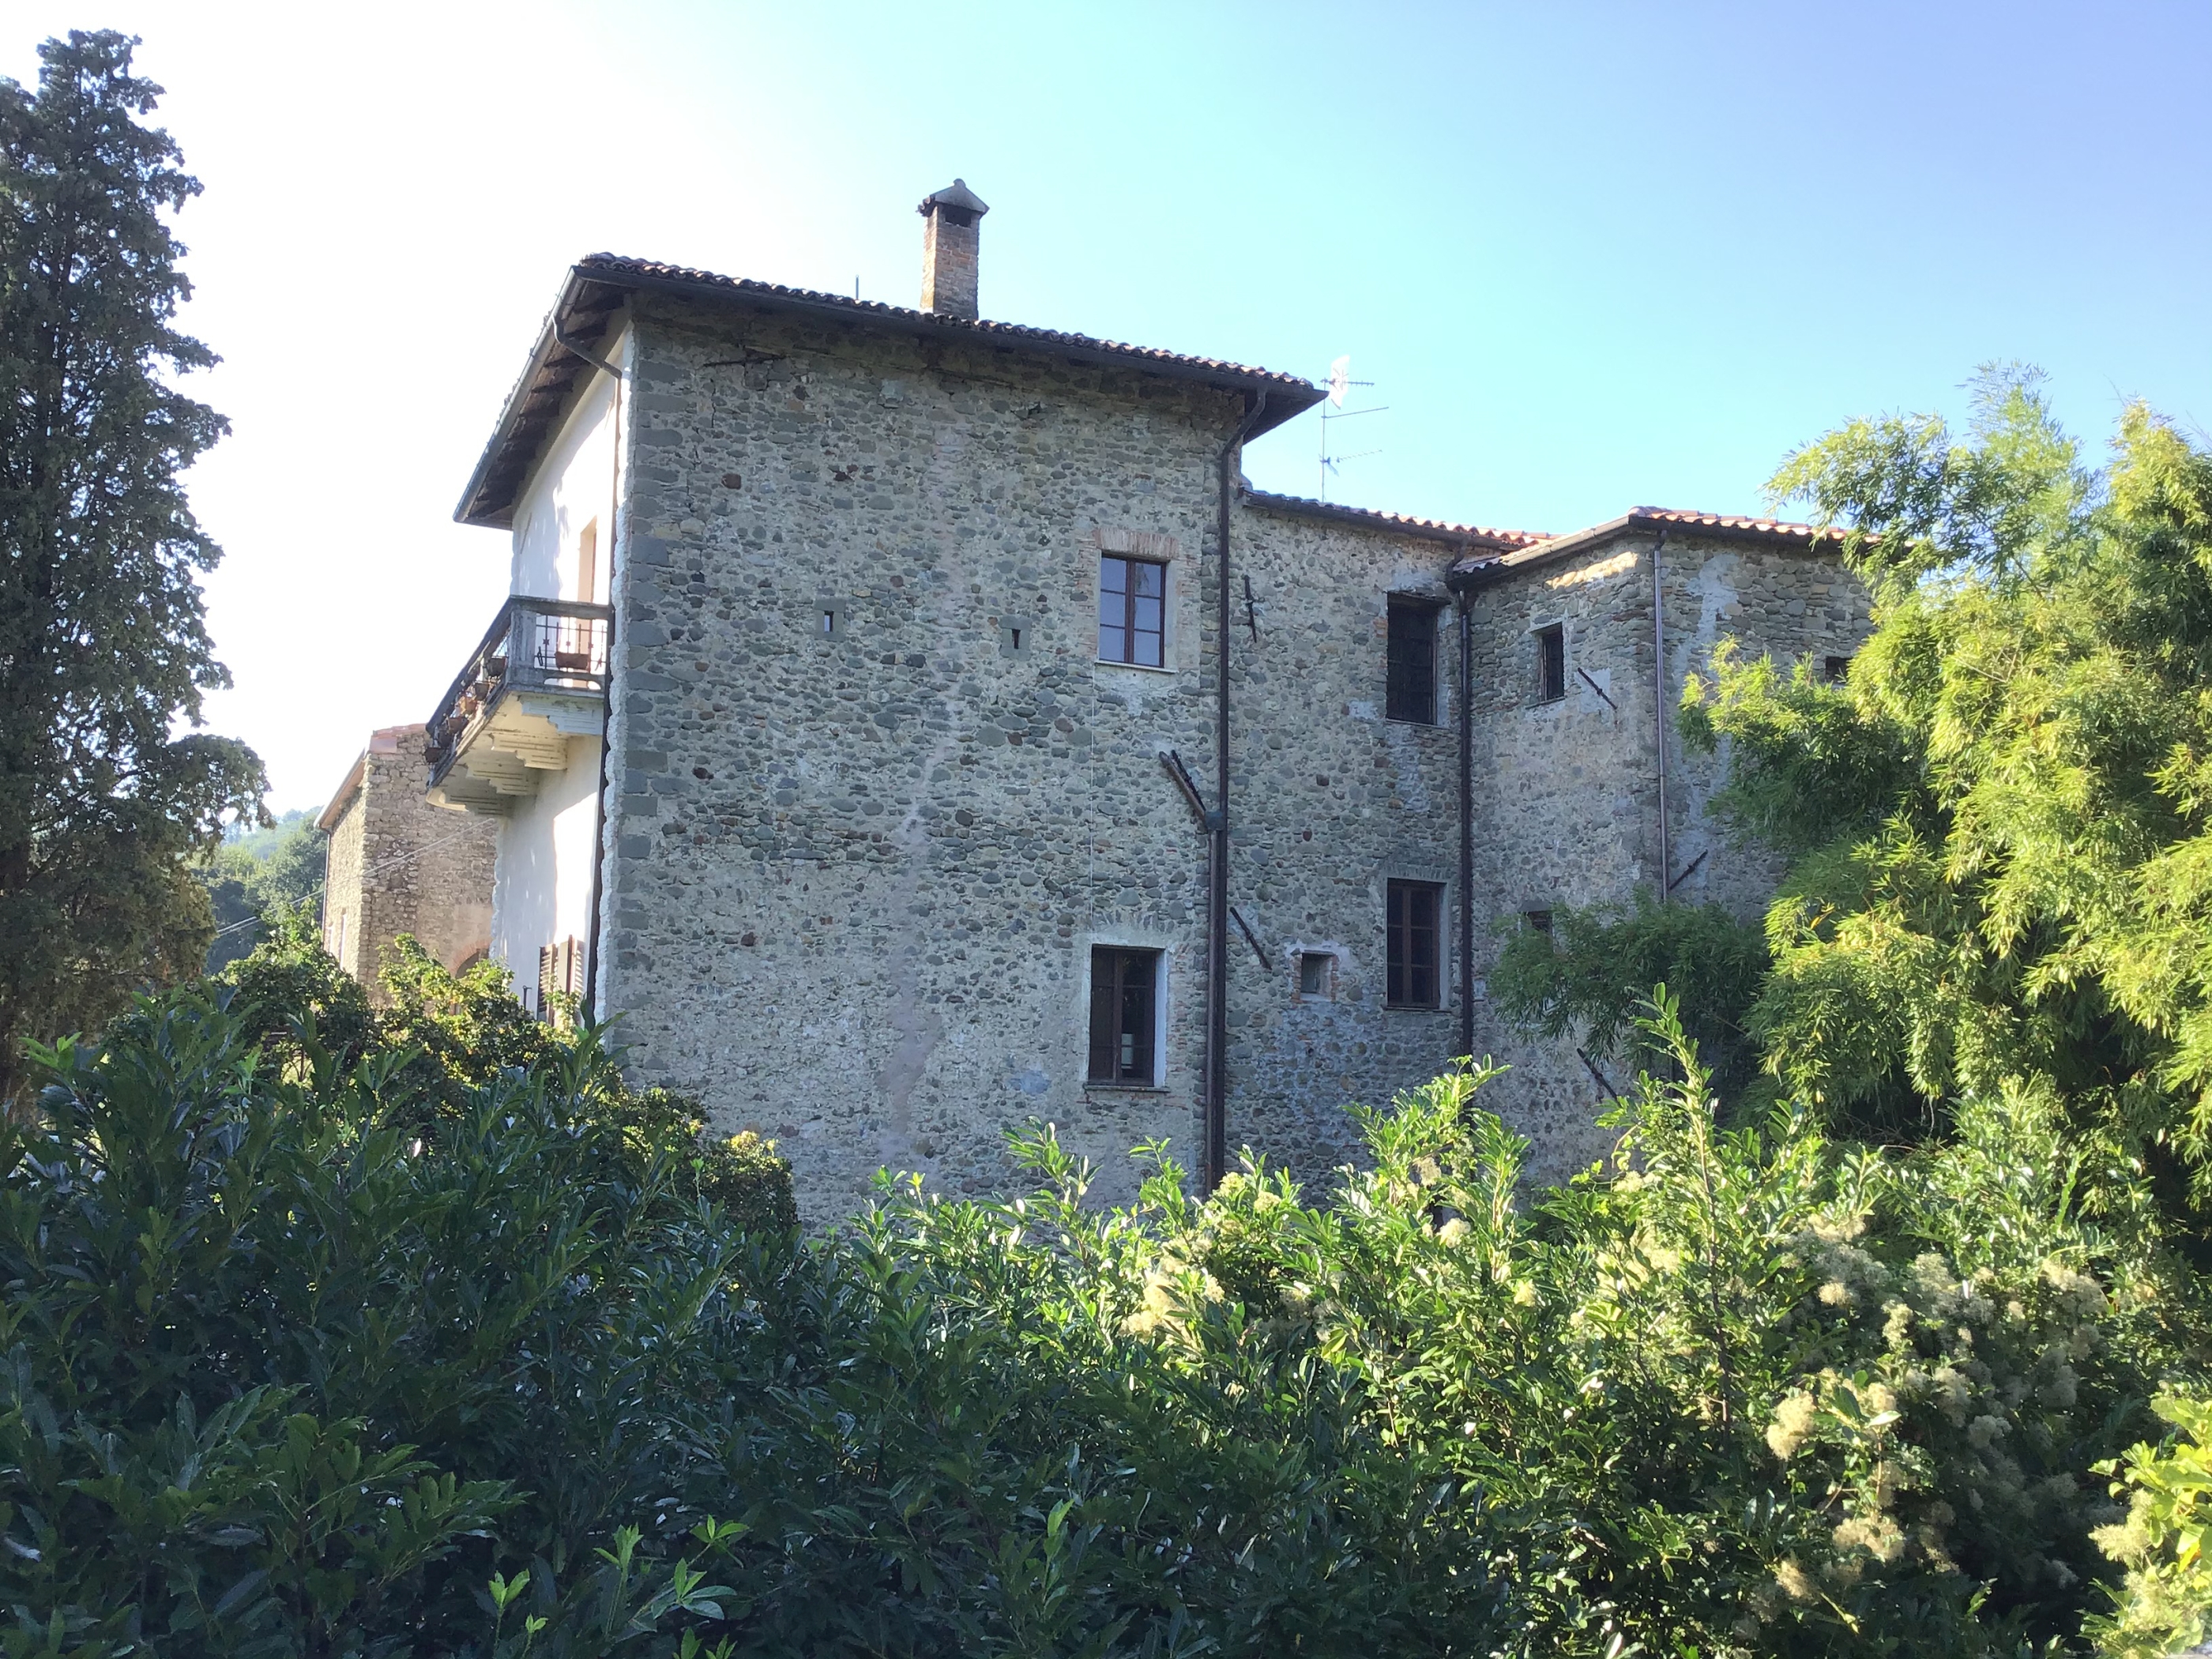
<point>254,872</point>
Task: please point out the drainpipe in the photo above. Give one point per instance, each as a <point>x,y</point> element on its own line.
<point>1213,1163</point>
<point>1465,602</point>
<point>607,719</point>
<point>1659,708</point>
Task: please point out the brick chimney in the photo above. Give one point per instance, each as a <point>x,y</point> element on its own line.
<point>953,227</point>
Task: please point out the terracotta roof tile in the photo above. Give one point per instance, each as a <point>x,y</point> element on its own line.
<point>595,289</point>
<point>1645,518</point>
<point>1405,523</point>
<point>1783,527</point>
<point>616,265</point>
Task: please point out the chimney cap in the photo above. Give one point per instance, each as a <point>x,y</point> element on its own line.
<point>955,196</point>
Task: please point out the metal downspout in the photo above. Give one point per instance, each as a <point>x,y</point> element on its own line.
<point>1659,708</point>
<point>1213,1163</point>
<point>1465,823</point>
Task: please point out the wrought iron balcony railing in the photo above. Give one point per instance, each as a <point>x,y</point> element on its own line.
<point>556,646</point>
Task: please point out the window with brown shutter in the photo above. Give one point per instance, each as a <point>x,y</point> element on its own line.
<point>560,974</point>
<point>1413,944</point>
<point>1124,1015</point>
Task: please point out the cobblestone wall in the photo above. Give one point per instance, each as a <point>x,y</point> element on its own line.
<point>1566,790</point>
<point>1332,800</point>
<point>876,801</point>
<point>398,864</point>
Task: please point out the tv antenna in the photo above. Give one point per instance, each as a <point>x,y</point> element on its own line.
<point>1340,382</point>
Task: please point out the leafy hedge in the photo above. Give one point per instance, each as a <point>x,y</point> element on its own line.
<point>391,1349</point>
<point>446,1037</point>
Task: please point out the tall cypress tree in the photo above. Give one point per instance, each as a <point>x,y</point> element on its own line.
<point>105,789</point>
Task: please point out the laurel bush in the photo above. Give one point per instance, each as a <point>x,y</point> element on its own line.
<point>307,1351</point>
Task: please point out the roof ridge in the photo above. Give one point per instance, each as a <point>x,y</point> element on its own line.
<point>1739,521</point>
<point>1407,520</point>
<point>604,261</point>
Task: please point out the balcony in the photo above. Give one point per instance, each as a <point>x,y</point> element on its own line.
<point>538,678</point>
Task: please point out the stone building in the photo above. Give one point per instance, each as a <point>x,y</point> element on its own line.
<point>856,731</point>
<point>396,865</point>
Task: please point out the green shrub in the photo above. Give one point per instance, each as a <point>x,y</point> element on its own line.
<point>2166,1606</point>
<point>453,1035</point>
<point>281,1377</point>
<point>308,1352</point>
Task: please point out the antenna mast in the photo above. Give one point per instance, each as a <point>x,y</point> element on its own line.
<point>1340,382</point>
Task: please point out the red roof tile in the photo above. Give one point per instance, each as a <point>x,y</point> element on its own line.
<point>1013,333</point>
<point>1637,519</point>
<point>1404,523</point>
<point>1782,527</point>
<point>596,282</point>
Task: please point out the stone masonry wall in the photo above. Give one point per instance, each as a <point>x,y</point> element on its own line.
<point>1331,799</point>
<point>398,864</point>
<point>875,801</point>
<point>1566,796</point>
<point>858,865</point>
<point>342,881</point>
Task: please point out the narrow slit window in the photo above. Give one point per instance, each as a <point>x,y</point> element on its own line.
<point>1132,610</point>
<point>1552,662</point>
<point>1124,1038</point>
<point>1410,687</point>
<point>829,623</point>
<point>1414,945</point>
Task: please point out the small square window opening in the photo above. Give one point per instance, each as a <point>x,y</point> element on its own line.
<point>1536,921</point>
<point>1124,1014</point>
<point>829,622</point>
<point>1413,944</point>
<point>1132,610</point>
<point>1410,684</point>
<point>1835,669</point>
<point>1314,968</point>
<point>1552,662</point>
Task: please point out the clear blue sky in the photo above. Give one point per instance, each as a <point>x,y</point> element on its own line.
<point>1594,256</point>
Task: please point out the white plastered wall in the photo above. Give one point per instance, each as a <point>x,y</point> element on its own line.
<point>575,485</point>
<point>542,888</point>
<point>542,884</point>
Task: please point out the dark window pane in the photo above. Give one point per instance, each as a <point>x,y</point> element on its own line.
<point>1551,663</point>
<point>1101,1016</point>
<point>1413,950</point>
<point>1411,678</point>
<point>1312,975</point>
<point>1122,1035</point>
<point>1132,620</point>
